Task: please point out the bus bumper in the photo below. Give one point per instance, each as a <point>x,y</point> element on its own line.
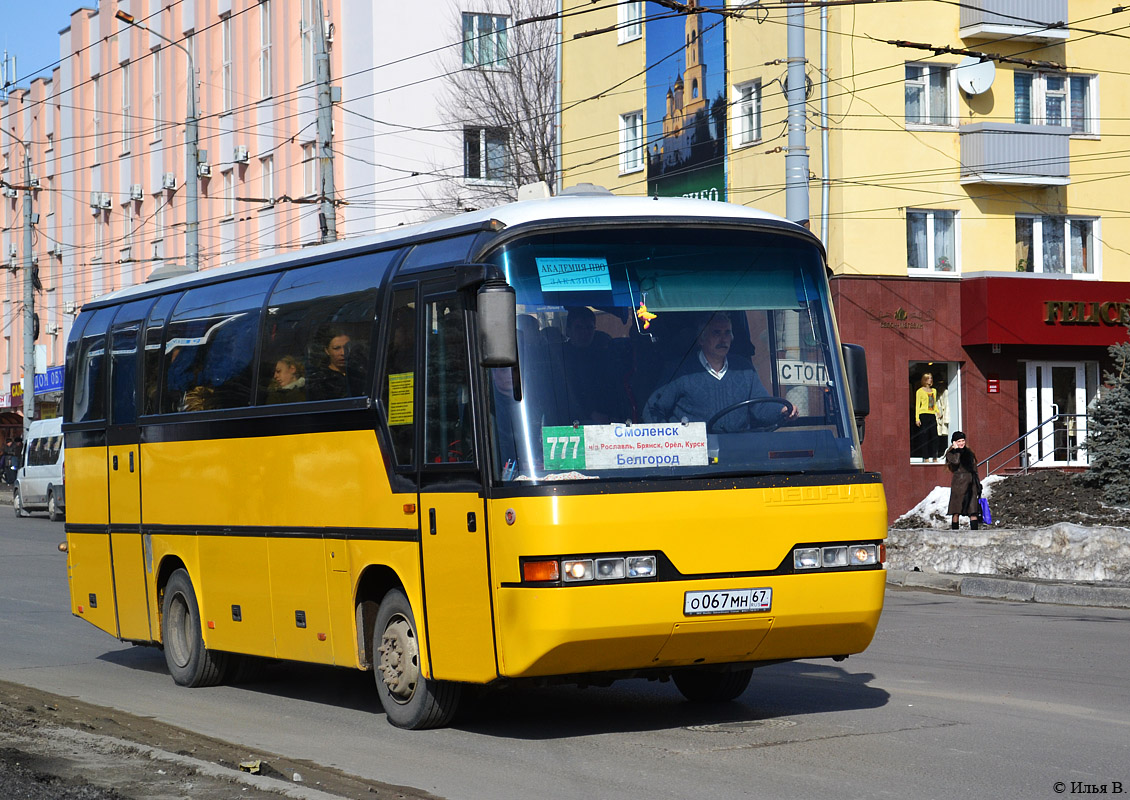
<point>573,630</point>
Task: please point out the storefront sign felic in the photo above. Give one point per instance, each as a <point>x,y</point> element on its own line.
<point>1066,312</point>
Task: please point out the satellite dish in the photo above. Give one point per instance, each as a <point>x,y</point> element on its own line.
<point>974,75</point>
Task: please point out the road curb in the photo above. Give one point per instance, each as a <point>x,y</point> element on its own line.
<point>1017,591</point>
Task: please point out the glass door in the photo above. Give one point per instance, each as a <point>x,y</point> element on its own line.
<point>1056,413</point>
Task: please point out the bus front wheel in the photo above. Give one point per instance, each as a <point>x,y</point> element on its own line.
<point>410,700</point>
<point>190,663</point>
<point>710,686</point>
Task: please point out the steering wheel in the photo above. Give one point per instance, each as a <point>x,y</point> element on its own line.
<point>765,426</point>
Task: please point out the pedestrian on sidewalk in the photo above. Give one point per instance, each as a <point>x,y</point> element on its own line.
<point>965,486</point>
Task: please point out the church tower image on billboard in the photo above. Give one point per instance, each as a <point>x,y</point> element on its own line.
<point>687,128</point>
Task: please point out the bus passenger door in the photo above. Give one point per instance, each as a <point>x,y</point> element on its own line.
<point>124,469</point>
<point>457,597</point>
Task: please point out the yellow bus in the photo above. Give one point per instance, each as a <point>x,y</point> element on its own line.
<point>580,439</point>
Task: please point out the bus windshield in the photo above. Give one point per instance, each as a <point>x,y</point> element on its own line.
<point>669,352</point>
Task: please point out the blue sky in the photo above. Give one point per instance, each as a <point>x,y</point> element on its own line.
<point>33,33</point>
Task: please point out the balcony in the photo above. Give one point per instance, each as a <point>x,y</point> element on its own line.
<point>1020,155</point>
<point>1016,20</point>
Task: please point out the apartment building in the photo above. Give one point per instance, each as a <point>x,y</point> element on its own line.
<point>967,175</point>
<point>105,132</point>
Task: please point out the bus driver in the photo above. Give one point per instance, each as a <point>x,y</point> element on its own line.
<point>715,382</point>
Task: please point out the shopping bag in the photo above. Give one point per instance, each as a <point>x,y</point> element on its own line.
<point>986,514</point>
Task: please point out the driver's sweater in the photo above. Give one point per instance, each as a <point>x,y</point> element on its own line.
<point>698,395</point>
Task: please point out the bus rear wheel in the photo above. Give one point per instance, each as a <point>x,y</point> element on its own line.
<point>410,700</point>
<point>190,663</point>
<point>712,686</point>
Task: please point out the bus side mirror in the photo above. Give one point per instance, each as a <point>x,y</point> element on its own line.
<point>498,324</point>
<point>855,363</point>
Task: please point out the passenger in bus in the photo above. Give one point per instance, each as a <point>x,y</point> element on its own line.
<point>596,392</point>
<point>288,384</point>
<point>336,374</point>
<point>713,380</point>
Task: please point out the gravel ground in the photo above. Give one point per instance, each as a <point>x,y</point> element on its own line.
<point>57,748</point>
<point>1043,498</point>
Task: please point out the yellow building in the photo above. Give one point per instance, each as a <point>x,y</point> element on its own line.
<point>966,174</point>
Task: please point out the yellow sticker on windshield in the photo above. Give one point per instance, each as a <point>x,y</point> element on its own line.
<point>400,391</point>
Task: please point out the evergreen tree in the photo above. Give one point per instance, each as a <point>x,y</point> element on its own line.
<point>1108,435</point>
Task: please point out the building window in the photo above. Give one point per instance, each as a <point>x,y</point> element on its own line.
<point>306,33</point>
<point>931,240</point>
<point>264,49</point>
<point>309,171</point>
<point>96,116</point>
<point>268,166</point>
<point>1048,98</point>
<point>928,95</point>
<point>159,203</point>
<point>747,113</point>
<point>229,193</point>
<point>484,153</point>
<point>629,21</point>
<point>935,408</point>
<point>631,142</point>
<point>127,123</point>
<point>158,121</point>
<point>1056,244</point>
<point>225,64</point>
<point>484,40</point>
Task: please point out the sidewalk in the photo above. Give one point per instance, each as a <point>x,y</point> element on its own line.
<point>1023,591</point>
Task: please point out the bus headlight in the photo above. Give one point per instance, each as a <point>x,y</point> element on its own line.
<point>864,554</point>
<point>641,566</point>
<point>610,569</point>
<point>578,570</point>
<point>834,556</point>
<point>806,558</point>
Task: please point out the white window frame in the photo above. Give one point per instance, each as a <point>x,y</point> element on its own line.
<point>1037,254</point>
<point>746,113</point>
<point>226,79</point>
<point>633,149</point>
<point>309,170</point>
<point>264,49</point>
<point>127,123</point>
<point>929,112</point>
<point>484,173</point>
<point>476,38</point>
<point>158,108</point>
<point>306,34</point>
<point>1037,101</point>
<point>96,118</point>
<point>229,193</point>
<point>267,175</point>
<point>629,21</point>
<point>932,215</point>
<point>160,201</point>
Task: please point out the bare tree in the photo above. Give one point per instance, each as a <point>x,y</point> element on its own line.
<point>500,102</point>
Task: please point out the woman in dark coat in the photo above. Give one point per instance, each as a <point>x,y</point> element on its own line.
<point>965,486</point>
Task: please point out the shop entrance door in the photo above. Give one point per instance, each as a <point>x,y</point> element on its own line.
<point>1056,413</point>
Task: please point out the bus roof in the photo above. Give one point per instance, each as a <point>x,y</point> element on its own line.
<point>579,206</point>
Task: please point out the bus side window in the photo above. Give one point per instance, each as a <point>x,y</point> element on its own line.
<point>398,391</point>
<point>210,345</point>
<point>151,364</point>
<point>447,407</point>
<point>88,401</point>
<point>321,317</point>
<point>124,336</point>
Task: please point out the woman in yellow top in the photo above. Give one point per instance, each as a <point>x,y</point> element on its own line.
<point>924,439</point>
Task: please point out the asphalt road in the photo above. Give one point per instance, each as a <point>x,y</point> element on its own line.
<point>957,697</point>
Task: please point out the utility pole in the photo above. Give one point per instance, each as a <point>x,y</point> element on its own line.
<point>191,159</point>
<point>29,303</point>
<point>796,155</point>
<point>328,213</point>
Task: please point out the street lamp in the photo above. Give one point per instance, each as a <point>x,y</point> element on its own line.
<point>191,214</point>
<point>29,297</point>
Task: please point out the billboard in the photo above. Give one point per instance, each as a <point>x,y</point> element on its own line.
<point>686,103</point>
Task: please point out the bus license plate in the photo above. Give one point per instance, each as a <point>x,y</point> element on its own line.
<point>727,601</point>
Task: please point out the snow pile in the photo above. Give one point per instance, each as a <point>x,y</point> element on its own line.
<point>1061,552</point>
<point>931,511</point>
